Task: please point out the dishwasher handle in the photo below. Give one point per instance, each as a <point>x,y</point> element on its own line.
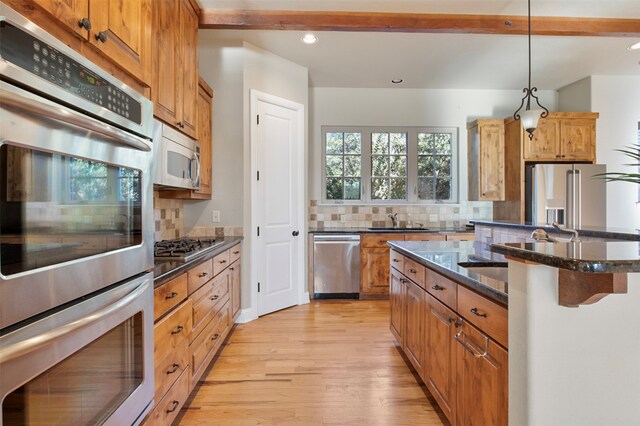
<point>334,237</point>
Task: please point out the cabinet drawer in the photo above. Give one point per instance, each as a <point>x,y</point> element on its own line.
<point>379,240</point>
<point>199,275</point>
<point>220,262</point>
<point>234,253</point>
<point>169,295</point>
<point>424,236</point>
<point>220,293</point>
<point>441,288</point>
<point>414,271</point>
<point>203,348</point>
<point>171,334</point>
<point>169,406</point>
<point>461,237</point>
<point>397,261</point>
<point>168,370</point>
<point>202,310</point>
<point>489,317</point>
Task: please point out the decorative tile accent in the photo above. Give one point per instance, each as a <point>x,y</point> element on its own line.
<point>168,217</point>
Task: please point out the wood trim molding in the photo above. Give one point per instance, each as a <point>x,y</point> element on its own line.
<point>586,288</point>
<point>416,23</point>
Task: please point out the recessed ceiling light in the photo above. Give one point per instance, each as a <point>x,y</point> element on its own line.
<point>309,38</point>
<point>397,80</point>
<point>634,46</point>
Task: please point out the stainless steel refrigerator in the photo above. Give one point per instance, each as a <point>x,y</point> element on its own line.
<point>565,193</point>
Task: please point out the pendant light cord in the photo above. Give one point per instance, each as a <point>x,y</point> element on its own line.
<point>529,35</point>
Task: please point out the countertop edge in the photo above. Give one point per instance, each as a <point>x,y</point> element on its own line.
<point>619,235</point>
<point>390,231</point>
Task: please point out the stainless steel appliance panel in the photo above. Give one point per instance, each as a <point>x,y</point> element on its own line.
<point>176,158</point>
<point>336,264</point>
<point>590,196</point>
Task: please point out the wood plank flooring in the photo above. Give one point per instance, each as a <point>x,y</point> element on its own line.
<point>325,363</point>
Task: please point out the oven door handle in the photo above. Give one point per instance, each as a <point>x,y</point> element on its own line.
<point>39,107</point>
<point>29,345</point>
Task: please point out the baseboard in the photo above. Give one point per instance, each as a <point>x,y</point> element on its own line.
<point>246,315</point>
<point>305,299</point>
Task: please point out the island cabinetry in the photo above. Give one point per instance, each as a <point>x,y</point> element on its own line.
<point>491,318</point>
<point>414,318</point>
<point>398,292</point>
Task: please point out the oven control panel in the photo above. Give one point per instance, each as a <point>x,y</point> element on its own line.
<point>39,58</point>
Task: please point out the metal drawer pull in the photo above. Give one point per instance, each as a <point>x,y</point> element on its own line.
<point>236,252</point>
<point>223,261</point>
<point>172,295</point>
<point>412,271</point>
<point>395,260</point>
<point>437,287</point>
<point>174,406</point>
<point>203,274</point>
<point>382,241</point>
<point>460,338</point>
<point>215,297</point>
<point>174,368</point>
<point>475,312</point>
<point>232,269</point>
<point>177,330</point>
<point>215,336</point>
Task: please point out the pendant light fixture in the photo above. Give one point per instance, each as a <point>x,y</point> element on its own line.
<point>530,116</point>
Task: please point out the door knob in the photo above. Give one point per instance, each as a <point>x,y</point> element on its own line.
<point>295,233</point>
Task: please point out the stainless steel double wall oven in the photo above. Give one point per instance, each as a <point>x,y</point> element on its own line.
<point>76,236</point>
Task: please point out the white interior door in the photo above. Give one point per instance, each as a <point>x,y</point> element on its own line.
<point>278,184</point>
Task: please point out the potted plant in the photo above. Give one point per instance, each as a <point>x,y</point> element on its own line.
<point>632,152</point>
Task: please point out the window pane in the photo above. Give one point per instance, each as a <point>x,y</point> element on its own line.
<point>88,189</point>
<point>442,166</point>
<point>380,143</point>
<point>129,185</point>
<point>398,165</point>
<point>398,143</point>
<point>352,143</point>
<point>352,189</point>
<point>86,168</point>
<point>443,189</point>
<point>398,189</point>
<point>352,166</point>
<point>425,166</point>
<point>425,143</point>
<point>442,143</point>
<point>334,143</point>
<point>334,189</point>
<point>379,165</point>
<point>425,188</point>
<point>334,165</point>
<point>379,189</point>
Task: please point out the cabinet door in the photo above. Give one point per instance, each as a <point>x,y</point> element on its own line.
<point>491,163</point>
<point>122,31</point>
<point>440,355</point>
<point>374,271</point>
<point>481,379</point>
<point>577,140</point>
<point>68,12</point>
<point>397,305</point>
<point>414,326</point>
<point>189,67</point>
<point>544,145</point>
<point>204,139</point>
<point>166,68</point>
<point>235,285</point>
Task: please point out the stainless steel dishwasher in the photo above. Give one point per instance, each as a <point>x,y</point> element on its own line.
<point>336,266</point>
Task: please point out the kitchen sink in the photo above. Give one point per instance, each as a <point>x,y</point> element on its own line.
<point>500,273</point>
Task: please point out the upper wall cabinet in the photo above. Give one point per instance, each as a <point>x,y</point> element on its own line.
<point>486,160</point>
<point>175,69</point>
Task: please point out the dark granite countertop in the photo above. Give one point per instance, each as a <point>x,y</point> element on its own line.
<point>447,258</point>
<point>587,231</point>
<point>164,270</point>
<point>586,256</point>
<point>388,230</point>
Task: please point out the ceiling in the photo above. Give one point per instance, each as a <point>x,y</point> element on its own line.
<point>445,61</point>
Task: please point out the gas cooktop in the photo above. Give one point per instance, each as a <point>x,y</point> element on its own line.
<point>184,249</point>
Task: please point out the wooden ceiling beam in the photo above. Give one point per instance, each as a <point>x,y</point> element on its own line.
<point>416,23</point>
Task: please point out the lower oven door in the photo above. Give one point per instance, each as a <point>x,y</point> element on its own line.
<point>91,363</point>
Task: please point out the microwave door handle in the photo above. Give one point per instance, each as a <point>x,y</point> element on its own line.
<point>196,181</point>
<point>29,345</point>
<point>66,115</point>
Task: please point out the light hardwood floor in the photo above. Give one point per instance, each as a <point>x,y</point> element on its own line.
<point>325,363</point>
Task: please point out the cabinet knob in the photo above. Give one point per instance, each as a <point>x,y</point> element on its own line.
<point>215,336</point>
<point>85,23</point>
<point>203,274</point>
<point>412,271</point>
<point>180,124</point>
<point>101,36</point>
<point>295,233</point>
<point>437,287</point>
<point>484,194</point>
<point>214,297</point>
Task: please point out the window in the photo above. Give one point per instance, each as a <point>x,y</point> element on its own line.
<point>391,164</point>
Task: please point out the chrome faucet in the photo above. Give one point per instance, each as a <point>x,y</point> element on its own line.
<point>394,219</point>
<point>574,239</point>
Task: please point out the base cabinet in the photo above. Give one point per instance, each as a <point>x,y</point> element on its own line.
<point>397,296</point>
<point>414,325</point>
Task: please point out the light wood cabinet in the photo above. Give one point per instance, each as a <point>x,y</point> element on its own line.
<point>235,283</point>
<point>69,13</point>
<point>415,300</point>
<point>397,296</point>
<point>486,169</point>
<point>205,114</point>
<point>175,69</point>
<point>374,272</point>
<point>563,137</point>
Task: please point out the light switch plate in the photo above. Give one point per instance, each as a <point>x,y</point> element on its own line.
<point>215,216</point>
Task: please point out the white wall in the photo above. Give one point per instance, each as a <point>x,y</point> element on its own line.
<point>407,107</point>
<point>576,97</point>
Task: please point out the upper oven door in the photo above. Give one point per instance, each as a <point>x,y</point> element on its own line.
<point>76,201</point>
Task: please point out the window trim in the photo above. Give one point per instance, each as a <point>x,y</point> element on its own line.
<point>412,163</point>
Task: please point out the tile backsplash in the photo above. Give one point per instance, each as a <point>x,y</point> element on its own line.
<point>429,216</point>
<point>215,231</point>
<point>168,217</point>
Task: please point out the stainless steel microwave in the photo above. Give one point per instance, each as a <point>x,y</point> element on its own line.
<point>176,158</point>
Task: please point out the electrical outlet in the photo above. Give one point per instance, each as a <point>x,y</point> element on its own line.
<point>433,218</point>
<point>215,216</point>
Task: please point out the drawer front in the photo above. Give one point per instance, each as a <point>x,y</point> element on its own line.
<point>199,275</point>
<point>414,271</point>
<point>489,317</point>
<point>221,291</point>
<point>168,370</point>
<point>204,347</point>
<point>461,237</point>
<point>169,295</point>
<point>424,236</point>
<point>234,253</point>
<point>171,334</point>
<point>202,311</point>
<point>379,240</point>
<point>168,408</point>
<point>441,288</point>
<point>220,262</point>
<point>397,261</point>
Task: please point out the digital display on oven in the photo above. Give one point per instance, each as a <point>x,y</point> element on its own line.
<point>39,58</point>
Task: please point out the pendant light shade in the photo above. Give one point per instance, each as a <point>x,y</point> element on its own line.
<point>530,117</point>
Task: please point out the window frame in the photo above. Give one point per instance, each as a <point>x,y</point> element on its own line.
<point>412,163</point>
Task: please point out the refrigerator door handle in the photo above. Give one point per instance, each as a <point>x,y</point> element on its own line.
<point>570,201</point>
<point>578,198</point>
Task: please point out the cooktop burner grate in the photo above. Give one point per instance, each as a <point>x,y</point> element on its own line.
<point>184,248</point>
